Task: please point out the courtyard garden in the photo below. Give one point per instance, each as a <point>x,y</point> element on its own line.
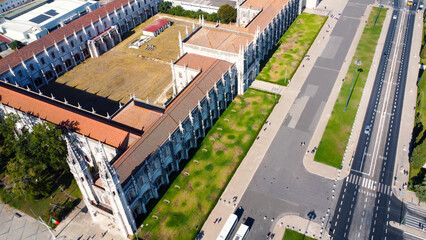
<point>185,206</point>
<point>290,49</point>
<point>104,81</point>
<point>293,235</point>
<point>336,135</point>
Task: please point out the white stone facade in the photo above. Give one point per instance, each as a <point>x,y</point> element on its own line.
<point>7,5</point>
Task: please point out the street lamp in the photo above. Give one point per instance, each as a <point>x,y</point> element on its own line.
<point>357,63</point>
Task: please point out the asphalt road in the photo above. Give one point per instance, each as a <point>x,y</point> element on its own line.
<point>281,185</point>
<point>364,209</point>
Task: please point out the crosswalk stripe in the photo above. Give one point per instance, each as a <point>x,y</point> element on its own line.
<point>350,178</point>
<point>363,181</point>
<point>370,184</point>
<point>356,179</point>
<point>380,188</point>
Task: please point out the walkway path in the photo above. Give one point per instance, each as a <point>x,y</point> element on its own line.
<point>283,187</point>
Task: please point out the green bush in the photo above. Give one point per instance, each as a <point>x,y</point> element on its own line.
<point>227,14</point>
<point>418,159</point>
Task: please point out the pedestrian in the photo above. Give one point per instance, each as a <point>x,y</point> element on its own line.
<point>220,219</point>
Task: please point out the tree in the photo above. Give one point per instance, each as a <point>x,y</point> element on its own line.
<point>227,14</point>
<point>40,157</point>
<point>16,45</point>
<point>7,139</point>
<point>421,190</point>
<point>418,158</point>
<point>164,7</point>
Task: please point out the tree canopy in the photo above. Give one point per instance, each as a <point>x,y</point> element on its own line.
<point>418,158</point>
<point>227,14</point>
<point>16,45</point>
<point>421,190</point>
<point>32,159</point>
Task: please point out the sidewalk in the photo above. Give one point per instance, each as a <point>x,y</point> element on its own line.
<point>298,224</point>
<point>79,225</point>
<point>242,177</point>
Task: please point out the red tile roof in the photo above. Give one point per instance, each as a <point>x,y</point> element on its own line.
<point>220,39</point>
<point>177,111</point>
<point>37,46</point>
<point>4,39</point>
<point>270,9</point>
<point>138,115</point>
<point>96,127</point>
<point>157,24</point>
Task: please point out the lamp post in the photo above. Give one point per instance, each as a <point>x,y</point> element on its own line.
<point>357,63</point>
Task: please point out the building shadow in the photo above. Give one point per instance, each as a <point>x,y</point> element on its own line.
<point>74,96</point>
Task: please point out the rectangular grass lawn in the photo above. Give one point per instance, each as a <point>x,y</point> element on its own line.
<point>338,129</point>
<point>293,235</point>
<point>291,49</point>
<point>218,157</point>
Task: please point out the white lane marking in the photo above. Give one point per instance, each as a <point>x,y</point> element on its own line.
<point>388,89</point>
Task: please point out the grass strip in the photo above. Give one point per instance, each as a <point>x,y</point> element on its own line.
<point>293,235</point>
<point>290,49</point>
<point>182,210</point>
<point>338,129</point>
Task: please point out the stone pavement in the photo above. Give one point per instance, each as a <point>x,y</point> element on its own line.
<point>22,226</point>
<point>242,177</point>
<point>79,225</point>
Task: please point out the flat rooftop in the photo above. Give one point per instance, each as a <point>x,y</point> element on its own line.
<point>101,83</point>
<point>47,12</point>
<point>220,39</point>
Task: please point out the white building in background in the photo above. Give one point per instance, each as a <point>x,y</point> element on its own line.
<point>6,5</point>
<point>209,6</point>
<point>31,25</point>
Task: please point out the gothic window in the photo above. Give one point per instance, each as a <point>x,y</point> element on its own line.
<point>169,168</point>
<point>31,67</point>
<point>72,44</point>
<point>146,196</point>
<point>105,25</point>
<point>119,15</point>
<point>97,30</point>
<point>77,57</point>
<point>90,34</point>
<point>133,8</point>
<point>49,75</point>
<point>86,52</point>
<point>126,11</point>
<point>20,73</point>
<point>52,54</point>
<point>58,68</point>
<point>153,166</point>
<point>144,1</point>
<point>68,63</point>
<point>139,5</point>
<point>62,49</point>
<point>81,39</point>
<point>38,81</point>
<point>158,182</point>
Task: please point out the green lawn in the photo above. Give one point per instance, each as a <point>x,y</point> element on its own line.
<point>293,235</point>
<point>419,134</point>
<point>291,49</point>
<point>44,207</point>
<point>193,196</point>
<point>338,129</point>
